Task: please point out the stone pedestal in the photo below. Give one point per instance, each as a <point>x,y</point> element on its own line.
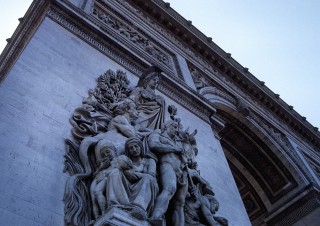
<point>119,217</point>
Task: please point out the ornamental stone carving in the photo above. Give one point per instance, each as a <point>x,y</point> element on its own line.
<point>131,35</point>
<point>199,81</point>
<point>128,165</point>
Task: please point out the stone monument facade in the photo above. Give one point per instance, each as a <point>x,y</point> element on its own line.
<point>121,112</point>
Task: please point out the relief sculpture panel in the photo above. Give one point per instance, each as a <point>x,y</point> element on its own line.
<point>128,165</point>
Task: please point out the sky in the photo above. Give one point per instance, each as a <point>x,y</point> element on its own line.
<point>279,41</point>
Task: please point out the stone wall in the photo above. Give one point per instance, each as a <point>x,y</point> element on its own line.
<point>39,95</point>
<point>37,98</point>
<point>213,166</point>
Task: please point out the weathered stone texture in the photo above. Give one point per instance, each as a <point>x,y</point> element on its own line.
<point>38,97</point>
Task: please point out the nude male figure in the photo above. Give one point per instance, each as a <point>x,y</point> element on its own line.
<point>174,183</point>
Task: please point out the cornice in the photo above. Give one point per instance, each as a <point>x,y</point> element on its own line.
<point>77,22</point>
<point>230,68</point>
<point>21,36</point>
<point>117,25</point>
<point>171,85</point>
<point>78,28</point>
<point>170,37</point>
<point>206,51</point>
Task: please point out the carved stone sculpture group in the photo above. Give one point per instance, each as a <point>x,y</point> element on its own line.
<point>128,164</point>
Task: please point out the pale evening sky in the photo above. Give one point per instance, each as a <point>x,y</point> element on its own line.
<point>279,41</point>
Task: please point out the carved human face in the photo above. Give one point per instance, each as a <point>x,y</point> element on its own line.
<point>134,149</point>
<point>153,82</point>
<point>104,153</point>
<point>172,130</point>
<point>107,152</point>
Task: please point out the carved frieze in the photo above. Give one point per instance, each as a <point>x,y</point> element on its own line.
<point>164,32</point>
<point>131,34</point>
<point>127,62</point>
<point>104,46</point>
<point>239,75</point>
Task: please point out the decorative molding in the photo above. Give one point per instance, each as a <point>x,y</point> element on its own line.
<point>315,166</point>
<point>217,92</point>
<point>304,205</point>
<point>283,145</point>
<point>110,22</point>
<point>103,46</point>
<point>133,66</point>
<point>262,109</point>
<point>217,125</point>
<point>165,33</point>
<point>22,35</point>
<point>185,101</point>
<point>215,56</point>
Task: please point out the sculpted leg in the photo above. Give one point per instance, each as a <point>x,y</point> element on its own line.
<point>95,208</point>
<point>102,203</point>
<point>99,193</point>
<point>178,214</point>
<point>169,187</point>
<point>94,200</point>
<point>178,208</point>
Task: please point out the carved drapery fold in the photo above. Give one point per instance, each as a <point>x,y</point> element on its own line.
<point>117,148</point>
